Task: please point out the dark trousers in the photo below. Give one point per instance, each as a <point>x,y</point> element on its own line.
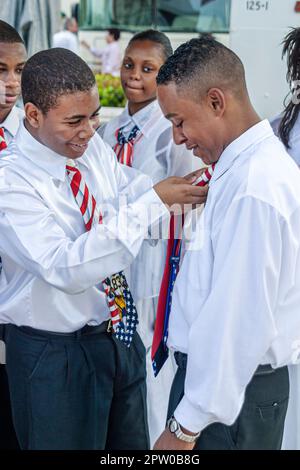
<point>85,391</point>
<point>260,423</point>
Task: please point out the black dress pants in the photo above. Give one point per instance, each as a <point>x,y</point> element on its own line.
<point>260,423</point>
<point>85,390</point>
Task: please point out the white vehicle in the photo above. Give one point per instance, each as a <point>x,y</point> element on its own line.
<point>253,29</point>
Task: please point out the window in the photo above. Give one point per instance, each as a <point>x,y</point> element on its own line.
<point>166,15</point>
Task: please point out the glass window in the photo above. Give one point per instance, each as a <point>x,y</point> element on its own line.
<point>167,15</point>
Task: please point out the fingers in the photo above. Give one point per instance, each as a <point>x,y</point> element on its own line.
<point>186,180</point>
<point>187,186</point>
<point>191,177</point>
<point>194,200</point>
<point>195,195</point>
<point>198,191</point>
<point>198,200</point>
<point>177,180</point>
<point>176,190</point>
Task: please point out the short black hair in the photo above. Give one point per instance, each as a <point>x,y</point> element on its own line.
<point>9,34</point>
<point>157,37</point>
<point>50,74</point>
<point>203,63</point>
<point>115,32</point>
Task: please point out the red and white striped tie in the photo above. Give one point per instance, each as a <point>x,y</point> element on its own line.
<point>120,302</point>
<point>3,143</point>
<point>3,146</point>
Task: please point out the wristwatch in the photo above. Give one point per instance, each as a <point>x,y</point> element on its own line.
<point>174,428</point>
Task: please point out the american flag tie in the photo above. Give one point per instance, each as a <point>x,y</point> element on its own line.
<point>159,351</point>
<point>124,146</point>
<point>3,143</point>
<point>123,311</point>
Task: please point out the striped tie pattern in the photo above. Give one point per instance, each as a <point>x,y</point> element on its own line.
<point>159,351</point>
<point>3,146</point>
<point>123,311</point>
<point>3,143</point>
<point>124,146</point>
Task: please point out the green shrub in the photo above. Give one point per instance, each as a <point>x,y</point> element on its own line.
<point>110,91</point>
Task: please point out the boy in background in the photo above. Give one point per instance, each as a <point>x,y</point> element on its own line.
<point>12,60</point>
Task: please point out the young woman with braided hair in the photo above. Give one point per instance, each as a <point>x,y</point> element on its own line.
<point>287,124</point>
<point>287,127</point>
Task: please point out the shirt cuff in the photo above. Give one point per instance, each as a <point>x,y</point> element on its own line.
<point>191,417</point>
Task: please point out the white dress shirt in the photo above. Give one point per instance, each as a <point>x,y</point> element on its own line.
<point>156,155</point>
<point>237,295</point>
<point>291,435</point>
<point>110,56</point>
<point>11,123</point>
<point>10,126</point>
<point>52,267</point>
<point>67,40</point>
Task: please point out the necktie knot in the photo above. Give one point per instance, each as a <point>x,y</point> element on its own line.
<point>131,137</point>
<point>124,146</point>
<point>205,177</point>
<point>71,163</point>
<point>71,167</point>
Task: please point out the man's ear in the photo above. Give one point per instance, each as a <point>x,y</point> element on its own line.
<point>33,115</point>
<point>216,101</point>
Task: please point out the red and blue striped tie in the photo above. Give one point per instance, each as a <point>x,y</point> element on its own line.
<point>159,351</point>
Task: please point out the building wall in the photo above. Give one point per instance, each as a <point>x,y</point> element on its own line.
<point>66,6</point>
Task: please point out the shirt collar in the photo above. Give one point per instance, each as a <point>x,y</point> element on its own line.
<point>41,155</point>
<point>141,118</point>
<point>11,123</point>
<point>252,136</point>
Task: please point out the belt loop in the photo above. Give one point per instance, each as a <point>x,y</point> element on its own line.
<point>109,328</point>
<point>265,369</point>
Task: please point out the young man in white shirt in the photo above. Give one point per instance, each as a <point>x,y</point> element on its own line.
<point>74,383</point>
<point>12,60</point>
<point>235,321</point>
<point>155,154</point>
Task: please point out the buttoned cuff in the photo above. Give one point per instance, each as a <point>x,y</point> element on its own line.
<point>191,417</point>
